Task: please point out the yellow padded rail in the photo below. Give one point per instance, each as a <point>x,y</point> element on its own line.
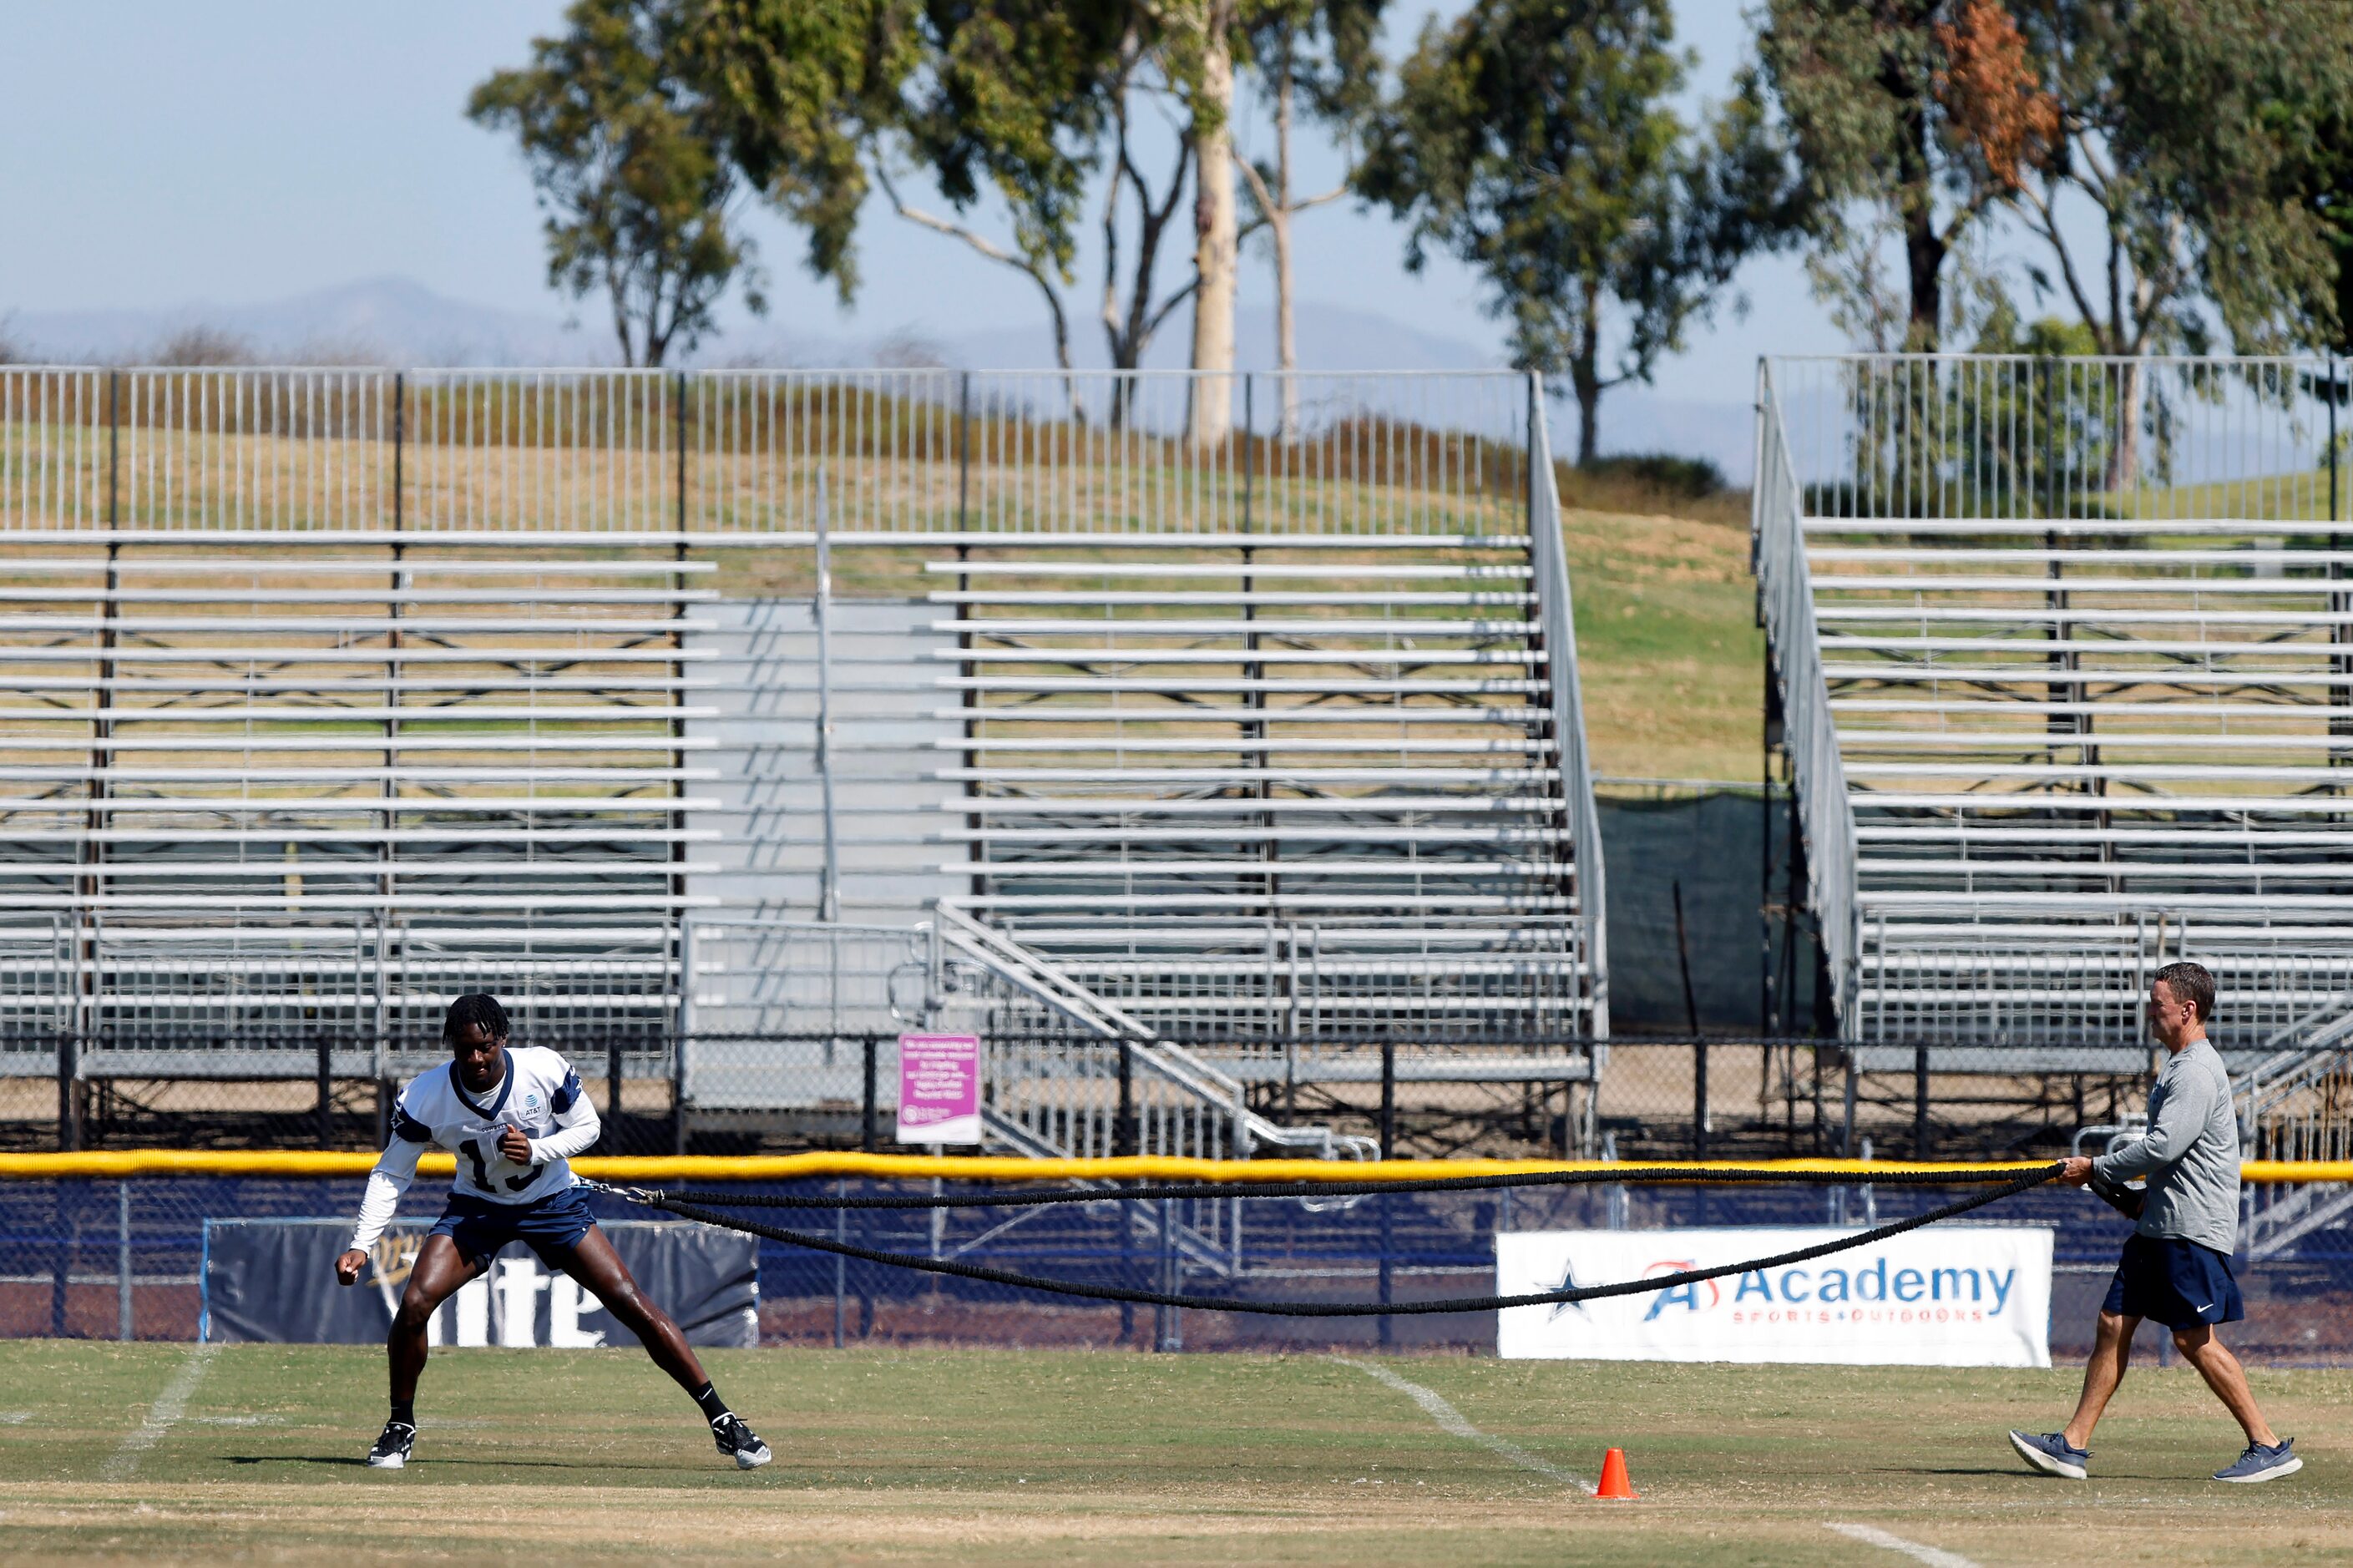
<point>128,1163</point>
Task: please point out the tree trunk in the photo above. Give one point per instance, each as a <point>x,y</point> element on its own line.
<point>1286,335</point>
<point>1215,230</point>
<point>1916,201</point>
<point>2123,446</point>
<point>1585,377</point>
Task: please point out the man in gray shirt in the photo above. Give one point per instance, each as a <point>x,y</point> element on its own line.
<point>2176,1267</point>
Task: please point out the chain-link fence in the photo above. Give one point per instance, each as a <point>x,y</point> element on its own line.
<point>1063,1090</point>
<point>126,1260</point>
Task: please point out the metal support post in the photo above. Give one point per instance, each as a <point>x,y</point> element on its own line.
<point>122,1261</point>
<point>1169,1321</point>
<point>866,1109</point>
<point>681,1034</point>
<point>1382,1209</point>
<point>829,896</point>
<point>382,1066</point>
<point>840,1264</point>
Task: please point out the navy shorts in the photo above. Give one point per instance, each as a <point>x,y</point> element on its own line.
<point>551,1227</point>
<point>2179,1283</point>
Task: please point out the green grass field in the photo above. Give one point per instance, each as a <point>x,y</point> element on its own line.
<point>1029,1456</point>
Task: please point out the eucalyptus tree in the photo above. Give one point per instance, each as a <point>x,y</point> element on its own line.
<point>640,201</point>
<point>1536,139</point>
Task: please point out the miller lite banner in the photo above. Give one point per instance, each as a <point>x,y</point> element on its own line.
<point>272,1280</point>
<point>1943,1296</point>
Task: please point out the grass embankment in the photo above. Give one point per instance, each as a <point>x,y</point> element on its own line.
<point>1667,645</point>
<point>1668,648</point>
<point>1103,1457</point>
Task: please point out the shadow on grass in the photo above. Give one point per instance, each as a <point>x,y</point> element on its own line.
<point>339,1462</point>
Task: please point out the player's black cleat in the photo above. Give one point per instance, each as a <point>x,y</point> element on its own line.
<point>391,1450</point>
<point>738,1441</point>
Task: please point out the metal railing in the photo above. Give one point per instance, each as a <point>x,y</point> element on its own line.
<point>1549,557</point>
<point>722,455</point>
<point>778,1009</point>
<point>1786,596</point>
<point>1955,440</point>
<point>2297,1103</point>
<point>1205,1110</point>
<point>283,999</point>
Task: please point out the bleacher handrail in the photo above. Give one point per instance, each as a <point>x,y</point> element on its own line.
<point>1786,596</point>
<point>1557,605</point>
<point>1218,1092</point>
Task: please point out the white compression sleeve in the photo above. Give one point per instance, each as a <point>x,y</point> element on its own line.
<point>576,1130</point>
<point>394,1169</point>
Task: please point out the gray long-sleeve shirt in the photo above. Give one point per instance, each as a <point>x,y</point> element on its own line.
<point>2191,1155</point>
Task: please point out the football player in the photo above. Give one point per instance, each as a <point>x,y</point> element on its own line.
<point>513,1117</point>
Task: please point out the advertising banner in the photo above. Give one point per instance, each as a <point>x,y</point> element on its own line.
<point>272,1280</point>
<point>1945,1295</point>
<point>939,1088</point>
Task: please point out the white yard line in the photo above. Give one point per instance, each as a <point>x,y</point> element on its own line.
<point>162,1415</point>
<point>1451,1420</point>
<point>1872,1535</point>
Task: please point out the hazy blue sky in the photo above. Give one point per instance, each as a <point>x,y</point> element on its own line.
<point>243,150</point>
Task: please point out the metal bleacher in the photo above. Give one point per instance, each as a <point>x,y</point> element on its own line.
<point>1255,748</point>
<point>334,692</point>
<point>2065,656</point>
<point>1275,796</point>
<point>313,720</point>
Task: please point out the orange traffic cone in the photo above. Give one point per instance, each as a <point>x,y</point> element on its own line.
<point>1614,1483</point>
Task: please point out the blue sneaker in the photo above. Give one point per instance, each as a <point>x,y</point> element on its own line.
<point>2052,1454</point>
<point>2262,1464</point>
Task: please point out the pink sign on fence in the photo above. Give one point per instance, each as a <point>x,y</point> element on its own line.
<point>939,1088</point>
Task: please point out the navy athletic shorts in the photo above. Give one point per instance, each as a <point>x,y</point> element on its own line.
<point>551,1227</point>
<point>2176,1282</point>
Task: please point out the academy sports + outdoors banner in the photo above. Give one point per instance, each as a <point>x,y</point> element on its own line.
<point>1948,1295</point>
<point>273,1280</point>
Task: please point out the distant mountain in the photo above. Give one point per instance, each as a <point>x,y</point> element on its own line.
<point>390,320</point>
<point>397,320</point>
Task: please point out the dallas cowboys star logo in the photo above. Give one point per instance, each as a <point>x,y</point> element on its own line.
<point>1567,1282</point>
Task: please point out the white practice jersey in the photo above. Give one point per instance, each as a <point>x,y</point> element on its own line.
<point>539,1092</point>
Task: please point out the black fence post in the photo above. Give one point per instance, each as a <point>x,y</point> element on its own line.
<point>1919,1102</point>
<point>326,1095</point>
<point>866,1134</point>
<point>1699,1099</point>
<point>1389,1099</point>
<point>1123,1129</point>
<point>68,1104</point>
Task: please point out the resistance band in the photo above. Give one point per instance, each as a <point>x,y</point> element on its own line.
<point>684,1209</point>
